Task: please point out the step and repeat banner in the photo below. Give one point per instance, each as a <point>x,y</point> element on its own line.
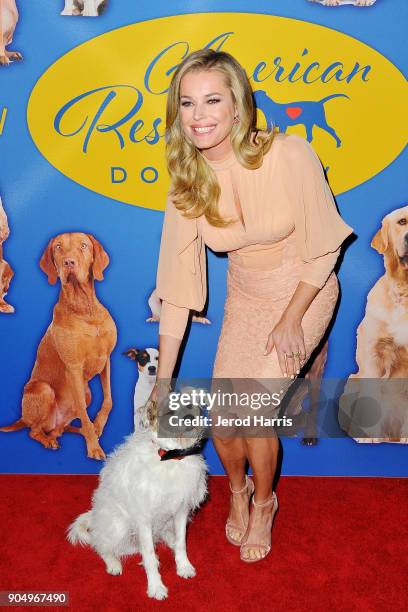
<point>83,87</point>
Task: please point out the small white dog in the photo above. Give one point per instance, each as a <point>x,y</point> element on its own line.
<point>147,490</point>
<point>147,361</point>
<point>86,8</point>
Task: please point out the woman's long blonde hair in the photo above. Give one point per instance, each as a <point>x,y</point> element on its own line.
<point>194,186</point>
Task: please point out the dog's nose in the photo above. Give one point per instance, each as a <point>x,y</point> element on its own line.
<point>151,369</point>
<point>69,263</point>
<point>406,239</point>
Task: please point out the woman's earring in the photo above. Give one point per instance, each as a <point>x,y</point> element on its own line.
<point>236,119</point>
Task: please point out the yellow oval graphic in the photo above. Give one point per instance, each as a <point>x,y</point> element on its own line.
<point>98,113</point>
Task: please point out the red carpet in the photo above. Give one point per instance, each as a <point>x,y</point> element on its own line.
<point>338,543</point>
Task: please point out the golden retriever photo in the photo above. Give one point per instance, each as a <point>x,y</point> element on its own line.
<point>382,338</point>
<point>75,348</point>
<point>6,272</point>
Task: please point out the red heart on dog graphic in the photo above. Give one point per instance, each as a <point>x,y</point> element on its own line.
<point>294,111</point>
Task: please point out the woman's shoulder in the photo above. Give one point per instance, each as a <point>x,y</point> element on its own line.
<point>291,147</point>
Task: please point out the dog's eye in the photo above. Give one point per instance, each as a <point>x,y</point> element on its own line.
<point>58,247</point>
<point>402,221</point>
<point>84,246</point>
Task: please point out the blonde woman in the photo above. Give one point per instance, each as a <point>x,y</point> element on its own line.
<point>263,199</point>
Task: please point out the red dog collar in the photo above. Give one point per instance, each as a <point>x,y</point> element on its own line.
<point>179,453</point>
<point>163,455</point>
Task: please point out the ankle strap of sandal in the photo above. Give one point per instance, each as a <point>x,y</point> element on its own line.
<point>243,488</point>
<point>264,503</point>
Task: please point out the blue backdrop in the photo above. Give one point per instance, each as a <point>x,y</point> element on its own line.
<point>41,202</point>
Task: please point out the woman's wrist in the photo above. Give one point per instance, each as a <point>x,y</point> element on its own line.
<point>163,383</point>
<point>292,317</point>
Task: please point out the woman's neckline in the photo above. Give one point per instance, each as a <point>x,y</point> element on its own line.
<point>222,164</point>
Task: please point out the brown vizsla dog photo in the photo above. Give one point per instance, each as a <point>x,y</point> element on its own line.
<point>75,348</point>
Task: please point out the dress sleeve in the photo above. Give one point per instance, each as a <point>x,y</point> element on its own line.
<point>181,280</point>
<point>173,320</point>
<point>320,230</point>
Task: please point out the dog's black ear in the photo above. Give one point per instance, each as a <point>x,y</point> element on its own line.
<point>380,240</point>
<point>101,258</point>
<point>131,353</point>
<point>47,264</point>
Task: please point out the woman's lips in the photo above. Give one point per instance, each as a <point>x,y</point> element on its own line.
<point>202,131</point>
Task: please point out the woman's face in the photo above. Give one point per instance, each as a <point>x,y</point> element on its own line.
<point>207,112</point>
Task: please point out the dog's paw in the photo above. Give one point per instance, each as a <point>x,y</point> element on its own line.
<point>96,452</point>
<point>366,440</point>
<point>14,55</point>
<point>186,570</point>
<point>51,443</point>
<point>157,591</point>
<point>89,12</point>
<point>114,567</point>
<point>7,308</point>
<point>202,320</point>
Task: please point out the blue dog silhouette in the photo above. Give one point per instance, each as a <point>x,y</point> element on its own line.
<point>302,112</point>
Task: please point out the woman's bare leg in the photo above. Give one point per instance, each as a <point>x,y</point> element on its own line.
<point>232,453</point>
<point>262,455</point>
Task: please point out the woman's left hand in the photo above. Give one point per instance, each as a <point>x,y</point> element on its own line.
<point>288,339</point>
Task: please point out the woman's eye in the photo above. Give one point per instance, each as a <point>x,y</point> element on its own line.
<point>213,100</point>
<point>185,103</point>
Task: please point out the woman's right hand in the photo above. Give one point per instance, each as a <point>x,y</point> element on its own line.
<point>160,390</point>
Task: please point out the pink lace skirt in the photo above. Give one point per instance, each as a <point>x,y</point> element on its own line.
<point>255,302</point>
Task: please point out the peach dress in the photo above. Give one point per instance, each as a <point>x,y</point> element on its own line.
<point>287,230</point>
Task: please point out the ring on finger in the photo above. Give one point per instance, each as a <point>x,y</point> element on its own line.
<point>286,363</point>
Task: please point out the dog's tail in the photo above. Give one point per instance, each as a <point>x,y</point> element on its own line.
<point>20,424</point>
<point>334,96</point>
<point>78,531</point>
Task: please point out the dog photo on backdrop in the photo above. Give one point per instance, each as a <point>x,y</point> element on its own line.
<point>146,361</point>
<point>148,489</point>
<point>8,22</point>
<point>308,113</point>
<point>75,348</point>
<point>154,303</point>
<point>344,2</point>
<point>6,272</point>
<point>382,343</point>
<point>84,8</point>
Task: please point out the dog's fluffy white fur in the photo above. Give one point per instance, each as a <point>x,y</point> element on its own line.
<point>140,501</point>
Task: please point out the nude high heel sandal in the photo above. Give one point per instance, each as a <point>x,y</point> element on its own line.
<point>266,547</point>
<point>249,486</point>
